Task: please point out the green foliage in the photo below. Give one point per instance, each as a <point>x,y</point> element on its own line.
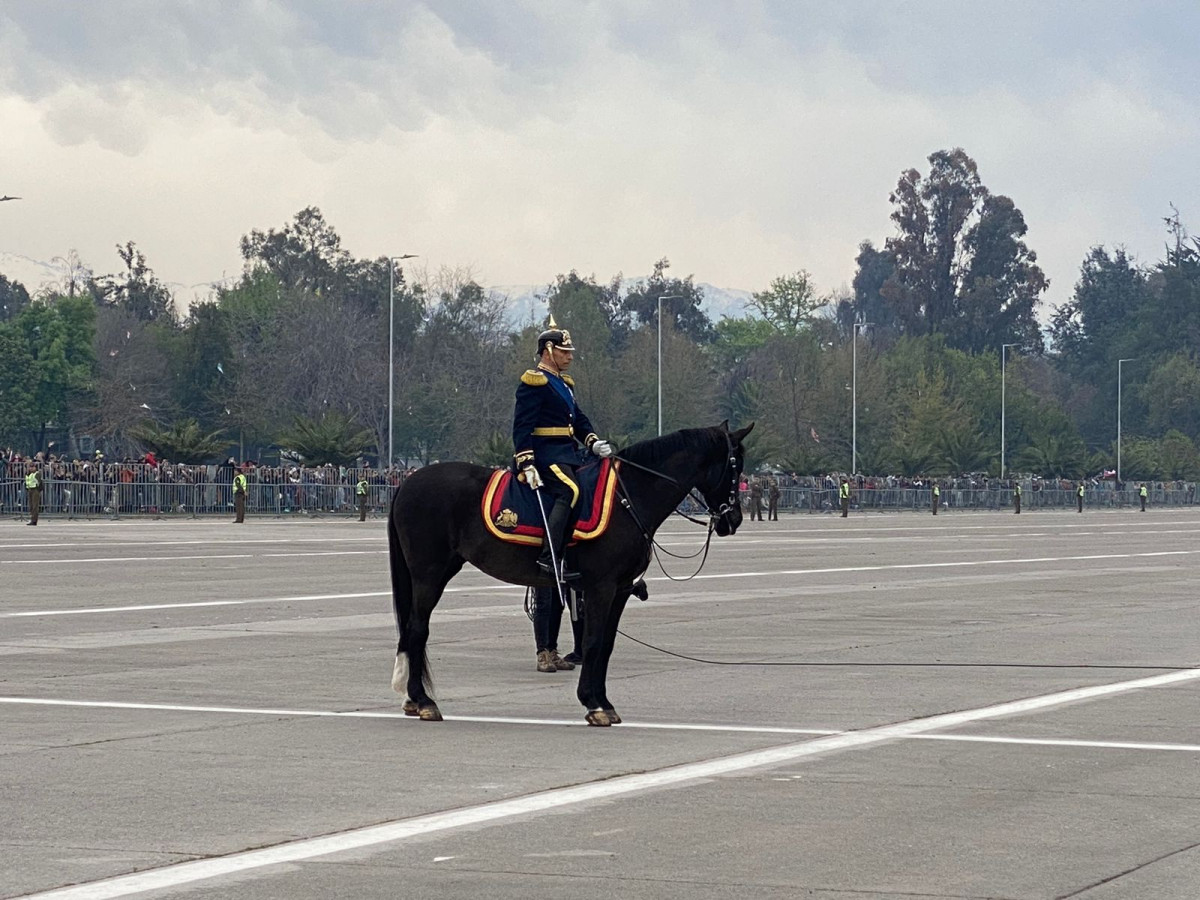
<point>1052,456</point>
<point>333,439</point>
<point>16,389</point>
<point>57,333</point>
<point>182,442</point>
<point>13,299</point>
<point>1178,457</point>
<point>790,303</point>
<point>681,304</point>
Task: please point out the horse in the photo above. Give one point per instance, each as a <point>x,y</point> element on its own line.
<point>435,526</point>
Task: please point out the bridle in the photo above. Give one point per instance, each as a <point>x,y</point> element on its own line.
<point>714,516</point>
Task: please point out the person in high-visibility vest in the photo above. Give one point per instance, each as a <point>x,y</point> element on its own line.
<point>1079,496</point>
<point>33,487</point>
<point>240,487</point>
<point>936,496</point>
<point>844,496</point>
<point>1142,495</point>
<point>361,490</point>
<point>1017,499</point>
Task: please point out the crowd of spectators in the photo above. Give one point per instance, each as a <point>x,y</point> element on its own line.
<point>100,486</point>
<point>148,485</point>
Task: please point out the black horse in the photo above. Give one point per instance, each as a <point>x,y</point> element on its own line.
<point>436,526</point>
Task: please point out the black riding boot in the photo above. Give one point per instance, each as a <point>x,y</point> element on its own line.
<point>558,521</point>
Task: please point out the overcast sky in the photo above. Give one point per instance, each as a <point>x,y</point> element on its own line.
<point>742,140</point>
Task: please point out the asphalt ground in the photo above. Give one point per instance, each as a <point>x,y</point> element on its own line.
<point>976,705</point>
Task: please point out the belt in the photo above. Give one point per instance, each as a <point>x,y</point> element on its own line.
<point>565,431</point>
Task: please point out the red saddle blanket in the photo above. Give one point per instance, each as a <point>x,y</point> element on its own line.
<point>510,509</point>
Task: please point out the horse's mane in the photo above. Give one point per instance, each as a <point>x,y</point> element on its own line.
<point>654,452</point>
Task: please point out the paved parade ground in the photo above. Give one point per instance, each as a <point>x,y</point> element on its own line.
<point>977,705</point>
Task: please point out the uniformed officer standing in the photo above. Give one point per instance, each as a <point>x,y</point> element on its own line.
<point>548,427</point>
<point>361,489</point>
<point>33,488</point>
<point>844,496</point>
<point>1079,496</point>
<point>773,501</point>
<point>756,498</point>
<point>240,486</point>
<point>1142,495</point>
<point>1016,499</point>
<point>936,492</point>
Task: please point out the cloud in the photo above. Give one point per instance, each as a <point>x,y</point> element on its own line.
<point>524,139</point>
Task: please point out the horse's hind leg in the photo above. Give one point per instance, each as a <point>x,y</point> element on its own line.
<point>426,593</point>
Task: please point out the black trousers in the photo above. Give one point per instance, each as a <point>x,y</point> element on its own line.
<point>547,619</point>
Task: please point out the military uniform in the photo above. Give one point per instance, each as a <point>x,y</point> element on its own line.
<point>548,429</point>
<point>1142,496</point>
<point>1079,496</point>
<point>756,496</point>
<point>362,489</point>
<point>936,495</point>
<point>844,497</point>
<point>33,487</point>
<point>773,501</point>
<point>239,498</point>
<point>1017,499</point>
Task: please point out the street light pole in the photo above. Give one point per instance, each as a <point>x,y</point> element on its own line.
<point>392,348</point>
<point>1120,362</point>
<point>1003,355</point>
<point>660,300</point>
<point>854,399</point>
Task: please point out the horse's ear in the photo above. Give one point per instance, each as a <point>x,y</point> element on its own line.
<point>740,434</point>
<point>724,426</point>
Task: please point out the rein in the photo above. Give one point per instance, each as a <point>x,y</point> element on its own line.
<point>713,516</point>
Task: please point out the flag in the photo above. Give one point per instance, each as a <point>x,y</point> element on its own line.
<point>816,437</point>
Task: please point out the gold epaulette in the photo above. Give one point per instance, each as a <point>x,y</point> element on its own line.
<point>567,378</point>
<point>533,378</point>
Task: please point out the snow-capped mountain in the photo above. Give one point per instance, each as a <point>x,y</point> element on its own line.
<point>527,302</point>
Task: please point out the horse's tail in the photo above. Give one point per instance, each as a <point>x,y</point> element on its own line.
<point>402,596</point>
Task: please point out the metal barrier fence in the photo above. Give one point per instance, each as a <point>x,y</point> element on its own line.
<point>816,500</point>
<point>86,500</point>
<point>115,498</point>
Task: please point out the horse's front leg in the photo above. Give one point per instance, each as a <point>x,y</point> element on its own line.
<point>596,649</point>
<point>616,609</point>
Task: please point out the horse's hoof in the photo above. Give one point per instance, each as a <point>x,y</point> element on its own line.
<point>430,714</point>
<point>600,718</point>
<point>613,718</point>
<point>410,708</point>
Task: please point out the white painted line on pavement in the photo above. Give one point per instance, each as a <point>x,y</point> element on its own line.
<point>700,577</point>
<point>571,723</point>
<point>401,829</point>
<point>60,561</point>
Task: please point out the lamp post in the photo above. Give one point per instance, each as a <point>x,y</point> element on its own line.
<point>1120,362</point>
<point>1003,359</point>
<point>854,399</point>
<point>392,346</point>
<point>660,300</point>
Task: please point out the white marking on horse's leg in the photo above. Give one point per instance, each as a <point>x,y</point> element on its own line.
<point>400,675</point>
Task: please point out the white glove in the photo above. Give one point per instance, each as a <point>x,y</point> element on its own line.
<point>603,449</point>
<point>532,478</point>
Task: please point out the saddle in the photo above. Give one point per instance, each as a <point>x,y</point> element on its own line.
<point>510,507</point>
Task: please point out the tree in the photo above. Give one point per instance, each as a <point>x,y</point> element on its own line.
<point>683,308</point>
<point>868,304</point>
<point>57,333</point>
<point>306,253</point>
<point>1096,325</point>
<point>137,290</point>
<point>333,439</point>
<point>182,442</point>
<point>960,266</point>
<point>16,389</point>
<point>13,299</point>
<point>790,303</point>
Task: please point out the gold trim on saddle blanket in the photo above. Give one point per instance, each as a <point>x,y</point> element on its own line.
<point>503,517</point>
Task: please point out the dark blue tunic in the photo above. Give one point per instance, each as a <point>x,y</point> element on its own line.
<point>548,424</point>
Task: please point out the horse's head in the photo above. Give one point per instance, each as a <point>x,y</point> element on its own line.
<point>719,486</point>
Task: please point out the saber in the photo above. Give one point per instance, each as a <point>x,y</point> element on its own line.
<point>550,543</point>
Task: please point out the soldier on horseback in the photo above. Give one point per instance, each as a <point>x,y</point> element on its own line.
<point>548,427</point>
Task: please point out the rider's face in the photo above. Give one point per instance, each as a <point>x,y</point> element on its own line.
<point>561,358</point>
